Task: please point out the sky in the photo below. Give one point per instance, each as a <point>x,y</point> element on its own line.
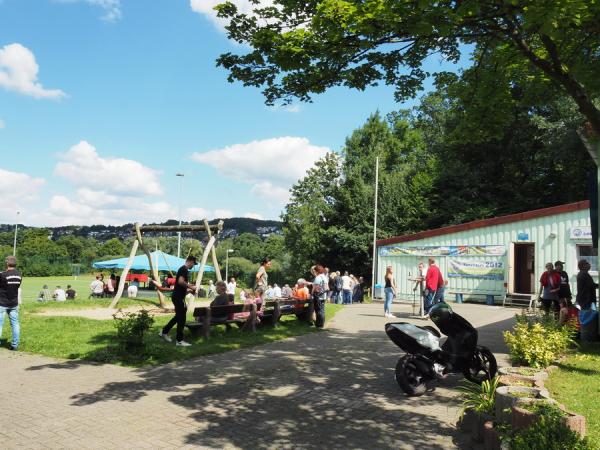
<point>104,102</point>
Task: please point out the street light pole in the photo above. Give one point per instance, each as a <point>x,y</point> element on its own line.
<point>229,250</point>
<point>181,175</point>
<point>15,240</point>
<point>374,263</point>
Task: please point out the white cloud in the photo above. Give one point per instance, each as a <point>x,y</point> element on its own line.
<point>2,124</point>
<point>206,8</point>
<point>112,8</point>
<point>19,73</point>
<point>271,166</point>
<point>16,191</point>
<point>82,165</point>
<point>193,213</point>
<point>292,108</point>
<point>252,215</point>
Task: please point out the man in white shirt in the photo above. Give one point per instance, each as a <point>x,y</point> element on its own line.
<point>59,294</point>
<point>97,287</point>
<point>276,291</point>
<point>132,291</point>
<point>347,288</point>
<point>231,286</point>
<point>269,292</point>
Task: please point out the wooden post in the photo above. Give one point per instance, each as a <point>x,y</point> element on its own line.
<point>153,269</point>
<point>213,252</point>
<point>124,274</point>
<point>206,324</point>
<point>276,313</point>
<point>210,244</point>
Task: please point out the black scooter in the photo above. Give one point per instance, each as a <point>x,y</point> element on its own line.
<point>426,360</point>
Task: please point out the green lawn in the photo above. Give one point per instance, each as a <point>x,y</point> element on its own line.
<point>94,340</point>
<point>576,384</point>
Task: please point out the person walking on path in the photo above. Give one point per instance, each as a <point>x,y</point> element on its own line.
<point>319,295</point>
<point>390,292</point>
<point>262,277</point>
<point>586,287</point>
<point>549,288</point>
<point>231,286</point>
<point>182,287</point>
<point>10,282</point>
<point>433,282</point>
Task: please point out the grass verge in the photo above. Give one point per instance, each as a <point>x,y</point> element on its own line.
<point>576,384</point>
<point>95,340</point>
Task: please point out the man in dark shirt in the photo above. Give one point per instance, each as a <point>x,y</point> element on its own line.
<point>71,293</point>
<point>10,282</point>
<point>182,287</point>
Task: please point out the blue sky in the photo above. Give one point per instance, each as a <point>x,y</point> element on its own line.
<point>126,95</point>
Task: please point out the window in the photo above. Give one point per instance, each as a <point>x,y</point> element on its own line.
<point>590,253</point>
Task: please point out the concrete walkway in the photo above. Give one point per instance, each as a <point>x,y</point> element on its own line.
<point>326,390</point>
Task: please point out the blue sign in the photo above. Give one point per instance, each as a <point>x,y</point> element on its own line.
<point>522,236</point>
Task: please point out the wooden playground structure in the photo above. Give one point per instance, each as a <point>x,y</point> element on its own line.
<point>212,232</point>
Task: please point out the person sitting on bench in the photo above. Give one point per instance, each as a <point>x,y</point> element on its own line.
<point>222,299</point>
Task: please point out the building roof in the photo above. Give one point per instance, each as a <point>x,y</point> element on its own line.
<point>561,209</point>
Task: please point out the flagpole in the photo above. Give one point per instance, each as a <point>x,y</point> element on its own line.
<point>374,264</point>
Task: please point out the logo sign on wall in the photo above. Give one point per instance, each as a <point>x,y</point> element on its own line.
<point>447,250</point>
<point>485,270</point>
<point>581,233</point>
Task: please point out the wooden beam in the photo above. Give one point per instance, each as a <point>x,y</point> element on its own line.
<point>213,252</point>
<point>124,274</point>
<point>153,268</point>
<point>175,228</point>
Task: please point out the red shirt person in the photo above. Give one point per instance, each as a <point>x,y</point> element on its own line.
<point>433,282</point>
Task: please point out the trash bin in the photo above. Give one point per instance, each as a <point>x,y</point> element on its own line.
<point>589,325</point>
<point>378,291</point>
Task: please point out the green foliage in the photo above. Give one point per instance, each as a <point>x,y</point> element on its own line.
<point>548,433</point>
<point>297,49</point>
<point>131,328</point>
<point>112,247</point>
<point>537,341</point>
<point>480,398</point>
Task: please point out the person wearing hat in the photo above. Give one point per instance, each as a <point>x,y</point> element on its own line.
<point>565,288</point>
<point>182,287</point>
<point>549,287</point>
<point>10,282</point>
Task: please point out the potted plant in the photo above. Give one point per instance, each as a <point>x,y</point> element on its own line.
<point>509,396</point>
<point>478,405</point>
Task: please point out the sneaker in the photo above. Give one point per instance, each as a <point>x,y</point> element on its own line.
<point>165,337</point>
<point>13,348</point>
<point>183,344</point>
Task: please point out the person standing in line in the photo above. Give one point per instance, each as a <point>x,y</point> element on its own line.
<point>231,286</point>
<point>390,292</point>
<point>433,281</point>
<point>586,287</point>
<point>549,287</point>
<point>10,284</point>
<point>564,292</point>
<point>346,288</point>
<point>358,293</point>
<point>339,284</point>
<point>319,295</point>
<point>182,287</point>
<point>262,277</point>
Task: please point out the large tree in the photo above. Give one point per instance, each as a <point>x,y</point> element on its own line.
<point>298,48</point>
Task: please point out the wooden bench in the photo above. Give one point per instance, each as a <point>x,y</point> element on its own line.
<point>274,309</point>
<point>222,315</point>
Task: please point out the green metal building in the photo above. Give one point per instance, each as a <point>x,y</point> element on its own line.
<point>494,258</point>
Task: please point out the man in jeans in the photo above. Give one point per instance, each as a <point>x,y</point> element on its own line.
<point>433,282</point>
<point>10,282</point>
<point>182,287</point>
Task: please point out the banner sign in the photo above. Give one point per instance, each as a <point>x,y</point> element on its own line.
<point>446,250</point>
<point>581,233</point>
<point>486,270</point>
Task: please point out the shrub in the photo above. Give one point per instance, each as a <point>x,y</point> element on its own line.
<point>549,433</point>
<point>537,341</point>
<point>131,328</point>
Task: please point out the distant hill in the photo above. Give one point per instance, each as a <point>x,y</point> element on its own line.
<point>231,227</point>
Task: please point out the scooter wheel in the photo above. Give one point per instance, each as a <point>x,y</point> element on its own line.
<point>409,377</point>
<point>483,366</point>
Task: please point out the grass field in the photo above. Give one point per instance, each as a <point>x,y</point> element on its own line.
<point>94,340</point>
<point>576,384</point>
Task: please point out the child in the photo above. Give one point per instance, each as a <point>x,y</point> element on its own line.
<point>568,313</point>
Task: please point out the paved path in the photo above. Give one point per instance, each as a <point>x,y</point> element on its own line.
<point>324,390</point>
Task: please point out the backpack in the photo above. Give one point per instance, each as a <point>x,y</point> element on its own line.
<point>339,283</point>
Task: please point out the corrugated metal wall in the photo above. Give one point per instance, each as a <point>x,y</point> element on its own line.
<point>549,234</point>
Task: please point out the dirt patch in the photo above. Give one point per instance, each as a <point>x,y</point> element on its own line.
<point>99,313</point>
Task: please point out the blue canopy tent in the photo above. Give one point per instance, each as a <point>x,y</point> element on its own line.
<point>163,261</point>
